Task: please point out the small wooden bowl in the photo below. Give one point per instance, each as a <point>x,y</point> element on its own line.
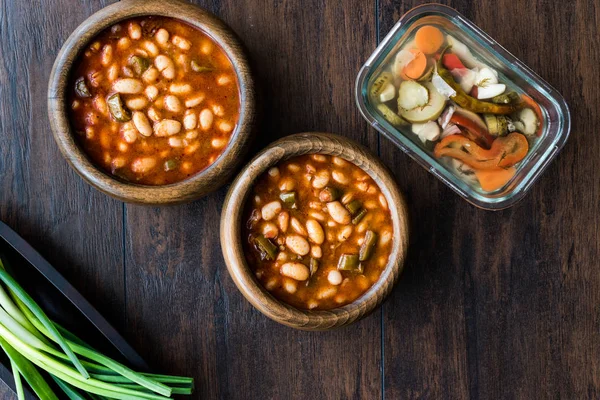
<point>197,185</point>
<point>231,231</point>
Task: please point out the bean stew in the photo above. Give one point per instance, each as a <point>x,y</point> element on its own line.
<point>154,100</point>
<point>318,230</point>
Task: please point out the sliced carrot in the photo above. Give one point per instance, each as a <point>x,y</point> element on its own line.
<point>538,111</point>
<point>416,68</point>
<point>429,39</point>
<point>493,179</point>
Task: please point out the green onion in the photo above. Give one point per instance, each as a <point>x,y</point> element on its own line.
<point>368,245</point>
<point>361,214</point>
<point>348,262</point>
<point>267,249</point>
<point>41,316</point>
<point>69,390</point>
<point>29,372</point>
<point>289,199</point>
<point>354,207</point>
<point>18,383</point>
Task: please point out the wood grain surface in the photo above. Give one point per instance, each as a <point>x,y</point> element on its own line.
<point>502,305</point>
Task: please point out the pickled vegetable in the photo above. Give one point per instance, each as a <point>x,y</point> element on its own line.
<point>81,89</point>
<point>380,83</point>
<point>506,98</point>
<point>289,199</point>
<point>139,64</point>
<point>268,251</point>
<point>368,245</point>
<point>505,151</point>
<point>497,124</point>
<point>197,67</point>
<point>429,111</point>
<point>348,262</point>
<point>530,121</point>
<point>412,95</point>
<point>391,117</point>
<point>117,108</point>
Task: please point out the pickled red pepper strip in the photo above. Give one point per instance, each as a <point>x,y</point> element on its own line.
<point>470,103</point>
<point>505,152</point>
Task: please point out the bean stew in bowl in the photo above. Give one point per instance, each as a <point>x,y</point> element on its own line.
<point>154,102</point>
<point>314,231</point>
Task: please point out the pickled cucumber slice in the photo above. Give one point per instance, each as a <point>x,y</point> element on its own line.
<point>497,125</point>
<point>430,111</point>
<point>380,83</point>
<point>412,95</point>
<point>391,116</point>
<point>117,108</point>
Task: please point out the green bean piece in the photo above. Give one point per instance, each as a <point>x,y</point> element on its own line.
<point>171,164</point>
<point>330,194</point>
<point>81,89</point>
<point>200,68</point>
<point>139,64</point>
<point>313,266</point>
<point>369,242</point>
<point>117,108</point>
<point>268,250</point>
<point>348,262</point>
<point>354,207</point>
<point>289,199</point>
<point>361,214</point>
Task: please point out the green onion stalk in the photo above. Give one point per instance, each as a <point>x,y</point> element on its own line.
<point>38,347</point>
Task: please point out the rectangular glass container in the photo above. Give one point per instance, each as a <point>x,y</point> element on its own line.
<point>556,118</point>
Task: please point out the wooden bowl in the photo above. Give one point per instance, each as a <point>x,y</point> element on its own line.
<point>231,231</point>
<point>197,185</point>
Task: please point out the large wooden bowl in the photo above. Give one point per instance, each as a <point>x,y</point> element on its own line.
<point>231,231</point>
<point>199,184</point>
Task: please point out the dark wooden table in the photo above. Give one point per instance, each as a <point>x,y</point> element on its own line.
<point>491,305</point>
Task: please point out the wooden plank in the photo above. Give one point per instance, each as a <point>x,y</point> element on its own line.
<point>182,306</point>
<point>505,305</point>
<point>75,228</point>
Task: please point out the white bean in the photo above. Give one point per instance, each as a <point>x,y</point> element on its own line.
<point>153,114</point>
<point>182,43</point>
<point>290,286</point>
<point>298,227</point>
<point>151,92</point>
<point>206,119</point>
<point>295,270</point>
<point>151,48</point>
<point>219,143</point>
<point>165,66</point>
<point>297,244</point>
<point>135,31</point>
<point>107,55</point>
<point>128,86</point>
<point>326,292</point>
<point>100,105</point>
<point>194,100</point>
<point>340,162</point>
<point>180,88</point>
<point>167,127</point>
<point>175,142</point>
<point>112,73</point>
<point>269,230</point>
<point>172,103</point>
<point>162,36</point>
<point>315,231</point>
<point>141,123</point>
<point>223,80</point>
<point>283,219</point>
<point>273,171</point>
<point>340,177</point>
<point>123,43</point>
<point>150,75</point>
<point>225,126</point>
<point>345,233</point>
<point>338,212</point>
<point>321,179</point>
<point>386,236</point>
<point>319,157</point>
<point>129,132</point>
<point>136,103</point>
<point>143,164</point>
<point>190,120</point>
<point>334,277</point>
<point>191,135</point>
<point>218,110</point>
<point>316,252</point>
<point>270,210</point>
